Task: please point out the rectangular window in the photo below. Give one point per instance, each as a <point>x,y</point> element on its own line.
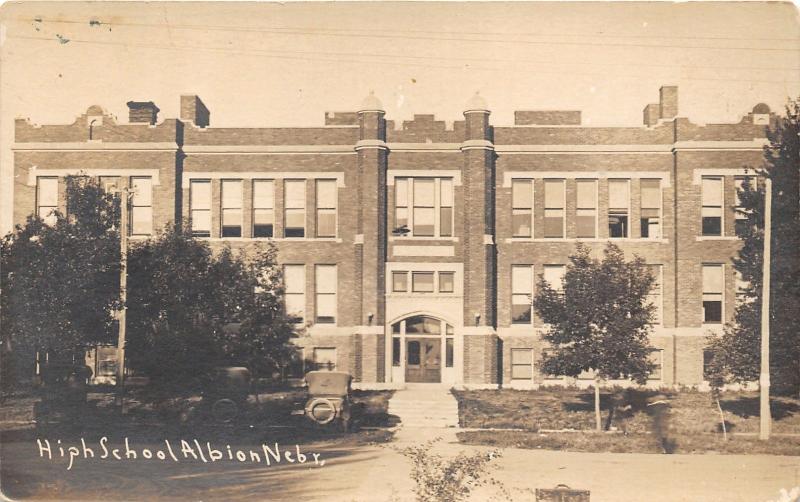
<point>656,357</point>
<point>231,208</point>
<point>422,282</point>
<point>522,208</point>
<point>424,207</point>
<point>47,198</point>
<point>743,183</point>
<point>712,205</point>
<point>399,282</point>
<point>200,207</point>
<point>618,208</point>
<point>142,205</point>
<point>325,286</point>
<point>294,280</point>
<point>521,293</point>
<point>263,208</point>
<point>295,208</point>
<point>446,207</point>
<point>325,359</point>
<point>586,216</point>
<point>521,364</point>
<point>651,208</point>
<point>655,296</point>
<point>713,287</point>
<point>401,206</point>
<point>554,276</point>
<point>554,208</point>
<point>446,282</point>
<point>326,208</point>
<point>448,352</point>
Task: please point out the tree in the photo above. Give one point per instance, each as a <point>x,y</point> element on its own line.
<point>600,320</point>
<point>60,282</point>
<point>190,310</point>
<point>736,353</point>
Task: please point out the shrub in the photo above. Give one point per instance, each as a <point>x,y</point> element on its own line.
<point>440,479</point>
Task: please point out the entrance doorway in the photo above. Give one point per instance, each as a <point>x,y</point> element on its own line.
<point>422,349</point>
<point>423,360</point>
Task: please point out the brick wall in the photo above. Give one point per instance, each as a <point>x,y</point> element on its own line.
<point>481,240</point>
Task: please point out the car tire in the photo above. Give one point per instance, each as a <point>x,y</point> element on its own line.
<point>321,401</point>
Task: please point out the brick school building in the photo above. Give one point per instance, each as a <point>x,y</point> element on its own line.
<point>411,250</point>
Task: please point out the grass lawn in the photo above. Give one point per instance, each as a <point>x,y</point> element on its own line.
<point>271,411</point>
<point>692,423</point>
<point>633,443</point>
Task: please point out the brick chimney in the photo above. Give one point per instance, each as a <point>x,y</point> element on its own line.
<point>669,101</point>
<point>193,110</point>
<point>652,113</point>
<point>142,112</point>
<point>665,109</point>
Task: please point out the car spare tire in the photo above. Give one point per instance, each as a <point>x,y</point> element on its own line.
<point>321,410</point>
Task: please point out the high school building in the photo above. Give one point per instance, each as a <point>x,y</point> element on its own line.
<point>411,250</point>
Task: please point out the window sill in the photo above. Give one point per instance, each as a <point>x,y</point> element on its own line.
<point>585,239</point>
<point>274,239</point>
<point>398,238</point>
<point>421,295</point>
<point>716,238</point>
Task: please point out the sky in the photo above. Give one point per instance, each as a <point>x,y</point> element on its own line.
<point>285,64</point>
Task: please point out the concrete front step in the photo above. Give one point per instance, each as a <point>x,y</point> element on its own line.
<point>445,408</point>
<point>425,407</point>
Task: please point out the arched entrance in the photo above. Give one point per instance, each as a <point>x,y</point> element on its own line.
<point>422,345</point>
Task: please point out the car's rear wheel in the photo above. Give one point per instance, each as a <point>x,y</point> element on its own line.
<point>321,411</point>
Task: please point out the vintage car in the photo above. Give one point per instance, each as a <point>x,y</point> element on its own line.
<point>328,401</point>
<point>226,392</point>
<point>63,390</point>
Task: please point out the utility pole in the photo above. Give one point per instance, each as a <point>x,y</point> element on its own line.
<point>125,194</point>
<point>765,415</point>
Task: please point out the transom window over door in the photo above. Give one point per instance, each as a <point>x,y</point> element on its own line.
<point>424,207</point>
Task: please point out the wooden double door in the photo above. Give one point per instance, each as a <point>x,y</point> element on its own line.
<point>423,360</point>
